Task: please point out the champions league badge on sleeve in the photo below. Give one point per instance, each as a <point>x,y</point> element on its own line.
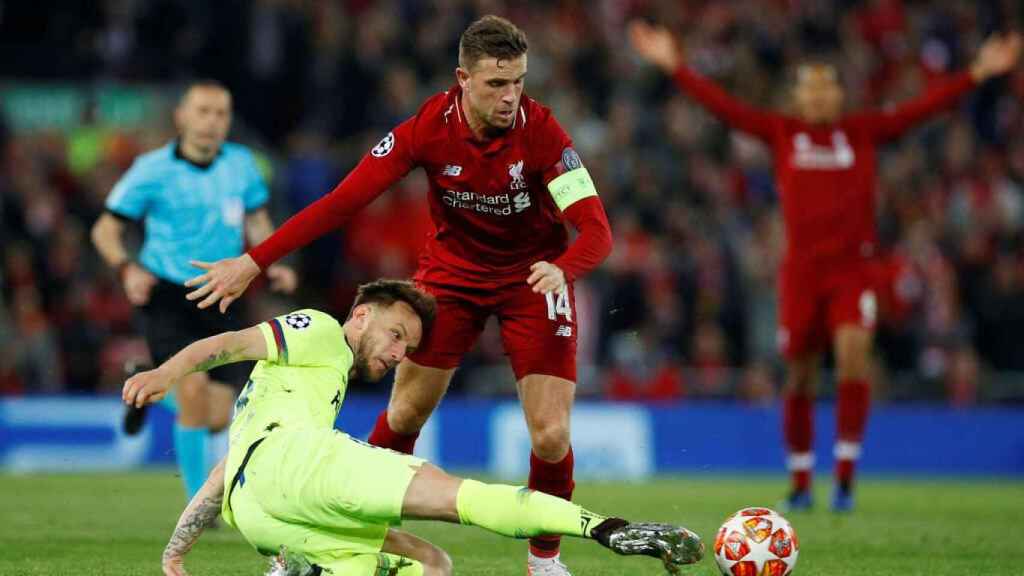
<point>383,148</point>
<point>298,321</point>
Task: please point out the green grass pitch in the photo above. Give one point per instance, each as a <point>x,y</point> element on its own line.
<point>87,525</point>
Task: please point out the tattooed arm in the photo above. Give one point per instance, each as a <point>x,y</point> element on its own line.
<point>198,515</point>
<point>224,348</point>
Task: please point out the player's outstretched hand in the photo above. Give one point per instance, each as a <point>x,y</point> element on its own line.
<point>655,44</point>
<point>545,277</point>
<point>224,280</point>
<point>174,566</point>
<point>998,55</point>
<point>282,278</point>
<point>146,388</point>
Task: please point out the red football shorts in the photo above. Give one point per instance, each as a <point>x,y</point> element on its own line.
<point>816,300</point>
<point>537,330</point>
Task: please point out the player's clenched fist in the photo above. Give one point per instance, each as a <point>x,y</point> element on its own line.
<point>545,277</point>
<point>146,388</point>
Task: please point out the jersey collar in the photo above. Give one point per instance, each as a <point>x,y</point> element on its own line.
<point>351,355</point>
<point>200,165</point>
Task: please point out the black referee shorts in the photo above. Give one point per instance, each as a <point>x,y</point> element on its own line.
<point>170,322</point>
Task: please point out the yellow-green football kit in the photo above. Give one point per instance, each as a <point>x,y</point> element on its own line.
<point>293,480</point>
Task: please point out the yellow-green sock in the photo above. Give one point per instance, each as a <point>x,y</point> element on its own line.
<point>519,512</point>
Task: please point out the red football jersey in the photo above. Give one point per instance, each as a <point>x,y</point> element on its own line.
<point>825,173</point>
<point>489,202</point>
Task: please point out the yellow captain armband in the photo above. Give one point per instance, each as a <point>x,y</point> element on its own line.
<point>571,187</point>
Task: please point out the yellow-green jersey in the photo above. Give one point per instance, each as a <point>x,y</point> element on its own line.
<point>300,385</point>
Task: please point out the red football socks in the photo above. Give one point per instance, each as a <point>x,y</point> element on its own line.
<point>853,403</point>
<point>798,429</point>
<point>383,436</point>
<point>553,478</point>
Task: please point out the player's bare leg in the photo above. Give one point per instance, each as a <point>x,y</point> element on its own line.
<point>220,403</point>
<point>852,344</point>
<point>798,427</point>
<point>191,430</point>
<point>547,404</point>
<point>192,397</point>
<point>416,393</point>
<point>517,511</point>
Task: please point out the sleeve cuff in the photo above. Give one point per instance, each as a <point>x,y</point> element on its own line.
<point>122,216</point>
<point>269,340</point>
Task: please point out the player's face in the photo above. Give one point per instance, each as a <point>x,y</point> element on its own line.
<point>204,118</point>
<point>493,88</point>
<point>819,97</point>
<point>390,334</point>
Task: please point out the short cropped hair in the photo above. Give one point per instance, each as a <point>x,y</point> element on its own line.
<point>491,37</point>
<point>386,292</point>
<point>202,83</point>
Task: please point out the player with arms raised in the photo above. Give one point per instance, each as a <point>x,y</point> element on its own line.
<point>825,165</point>
<point>504,178</point>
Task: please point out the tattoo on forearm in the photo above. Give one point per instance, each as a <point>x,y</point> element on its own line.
<point>192,524</point>
<point>214,360</point>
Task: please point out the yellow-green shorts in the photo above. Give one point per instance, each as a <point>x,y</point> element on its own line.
<point>324,495</point>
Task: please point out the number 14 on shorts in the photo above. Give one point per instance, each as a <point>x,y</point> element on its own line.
<point>558,305</point>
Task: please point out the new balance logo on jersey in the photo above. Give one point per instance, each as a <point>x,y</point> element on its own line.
<point>516,172</point>
<point>521,201</point>
<point>451,170</point>
<point>565,331</point>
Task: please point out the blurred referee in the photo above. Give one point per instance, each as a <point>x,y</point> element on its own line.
<point>198,198</point>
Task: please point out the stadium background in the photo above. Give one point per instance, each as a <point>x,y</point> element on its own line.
<point>679,373</point>
<point>680,322</point>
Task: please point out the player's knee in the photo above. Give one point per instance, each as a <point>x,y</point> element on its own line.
<point>191,397</point>
<point>407,417</point>
<point>853,355</point>
<point>854,367</point>
<point>800,379</point>
<point>550,440</point>
<point>220,404</point>
<point>800,386</point>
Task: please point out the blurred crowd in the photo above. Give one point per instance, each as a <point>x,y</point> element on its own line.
<point>685,306</point>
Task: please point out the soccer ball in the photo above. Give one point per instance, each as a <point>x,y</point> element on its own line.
<point>756,542</point>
